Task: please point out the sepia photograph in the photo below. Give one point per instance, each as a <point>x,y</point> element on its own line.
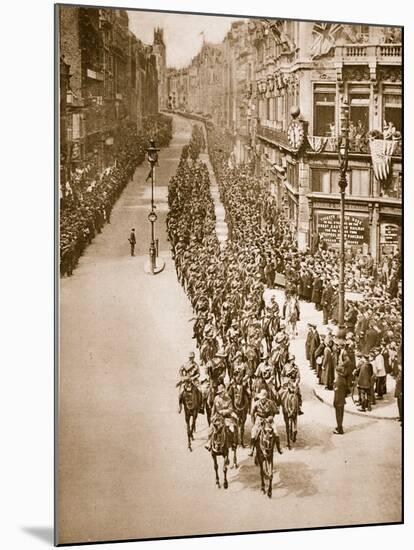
<point>229,274</point>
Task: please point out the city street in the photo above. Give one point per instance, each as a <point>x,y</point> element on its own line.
<point>124,468</point>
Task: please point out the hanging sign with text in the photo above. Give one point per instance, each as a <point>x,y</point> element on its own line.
<point>356,229</point>
<point>389,233</point>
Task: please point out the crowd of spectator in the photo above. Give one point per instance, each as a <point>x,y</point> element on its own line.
<point>89,197</point>
<point>373,313</point>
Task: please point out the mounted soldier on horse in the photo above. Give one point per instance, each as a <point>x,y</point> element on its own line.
<point>290,398</point>
<point>264,437</point>
<point>223,432</point>
<point>190,395</point>
<point>239,391</point>
<point>265,379</point>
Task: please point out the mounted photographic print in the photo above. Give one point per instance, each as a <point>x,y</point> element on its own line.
<point>229,199</point>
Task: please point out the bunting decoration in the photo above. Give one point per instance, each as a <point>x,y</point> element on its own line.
<point>381,153</point>
<point>317,143</point>
<point>324,38</point>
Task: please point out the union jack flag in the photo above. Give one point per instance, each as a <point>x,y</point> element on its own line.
<point>324,37</point>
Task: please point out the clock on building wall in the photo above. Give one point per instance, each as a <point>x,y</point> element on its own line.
<point>295,133</point>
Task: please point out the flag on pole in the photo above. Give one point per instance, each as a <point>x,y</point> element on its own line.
<point>324,38</point>
<point>381,153</point>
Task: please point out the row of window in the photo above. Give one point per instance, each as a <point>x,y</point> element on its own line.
<point>327,181</point>
<point>274,110</point>
<point>359,183</point>
<point>325,104</point>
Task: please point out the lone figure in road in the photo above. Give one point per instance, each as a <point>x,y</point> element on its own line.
<point>132,241</point>
<point>340,390</point>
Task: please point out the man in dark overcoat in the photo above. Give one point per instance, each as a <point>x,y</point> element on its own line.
<point>344,361</point>
<point>328,365</point>
<point>307,285</point>
<point>365,374</point>
<point>340,392</point>
<point>371,337</point>
<point>326,301</point>
<point>351,315</point>
<point>314,344</point>
<point>317,290</point>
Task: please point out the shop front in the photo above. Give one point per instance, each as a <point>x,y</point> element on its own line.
<point>325,227</point>
<point>390,236</point>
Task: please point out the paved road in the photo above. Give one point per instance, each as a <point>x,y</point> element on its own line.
<point>124,468</point>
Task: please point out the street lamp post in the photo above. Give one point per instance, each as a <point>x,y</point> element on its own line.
<point>343,150</point>
<point>153,267</point>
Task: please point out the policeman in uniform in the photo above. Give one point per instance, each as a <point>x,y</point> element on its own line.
<point>263,409</point>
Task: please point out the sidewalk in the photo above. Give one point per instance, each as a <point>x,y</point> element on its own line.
<point>385,409</point>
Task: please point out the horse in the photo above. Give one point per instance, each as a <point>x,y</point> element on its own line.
<point>241,403</point>
<point>270,327</point>
<point>267,384</point>
<point>289,401</point>
<point>264,446</point>
<point>292,316</point>
<point>191,399</point>
<point>216,372</point>
<point>278,358</point>
<point>231,349</point>
<point>252,355</point>
<point>198,327</point>
<point>209,398</point>
<point>208,349</point>
<point>222,440</point>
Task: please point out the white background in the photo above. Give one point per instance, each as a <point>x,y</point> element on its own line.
<point>26,273</point>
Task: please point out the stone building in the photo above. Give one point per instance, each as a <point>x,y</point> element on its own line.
<point>238,84</point>
<point>108,78</point>
<point>160,53</point>
<point>199,87</point>
<point>309,69</point>
<point>279,90</point>
<point>178,89</point>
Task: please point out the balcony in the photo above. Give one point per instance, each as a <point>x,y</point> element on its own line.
<point>276,136</point>
<point>365,53</point>
<point>390,53</point>
<point>359,146</point>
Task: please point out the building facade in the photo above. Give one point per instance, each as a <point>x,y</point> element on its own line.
<point>160,53</point>
<point>282,86</point>
<point>108,79</point>
<point>198,88</point>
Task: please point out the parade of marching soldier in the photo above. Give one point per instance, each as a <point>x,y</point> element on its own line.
<point>230,274</point>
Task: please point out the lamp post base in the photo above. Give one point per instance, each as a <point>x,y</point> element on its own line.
<point>159,266</point>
